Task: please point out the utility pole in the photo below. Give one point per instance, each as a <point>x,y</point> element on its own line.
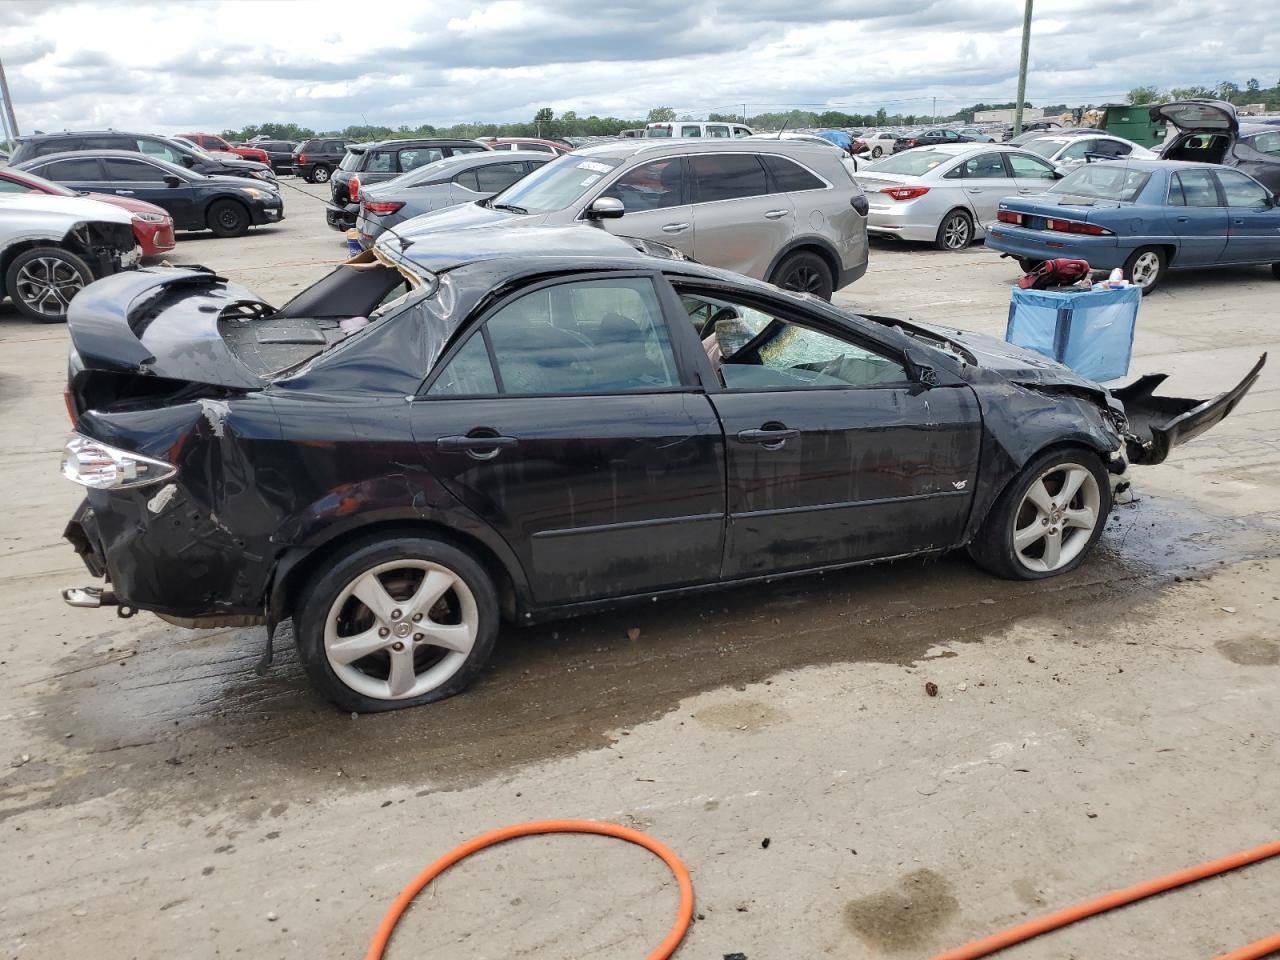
<point>935,109</point>
<point>12,121</point>
<point>744,113</point>
<point>1022,70</point>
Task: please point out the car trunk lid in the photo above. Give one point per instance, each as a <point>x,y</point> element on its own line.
<point>1198,116</point>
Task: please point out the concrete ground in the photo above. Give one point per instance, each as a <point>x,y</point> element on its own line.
<point>159,799</point>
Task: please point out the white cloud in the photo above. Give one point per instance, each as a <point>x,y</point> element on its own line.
<point>328,63</point>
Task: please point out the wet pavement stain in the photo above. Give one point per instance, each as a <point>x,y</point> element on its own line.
<point>1250,651</point>
<point>749,716</point>
<point>906,917</point>
<point>187,716</point>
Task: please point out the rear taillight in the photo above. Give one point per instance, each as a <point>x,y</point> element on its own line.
<point>1008,216</point>
<point>353,189</point>
<point>382,207</point>
<point>1074,226</point>
<point>93,464</point>
<point>302,158</point>
<point>904,193</point>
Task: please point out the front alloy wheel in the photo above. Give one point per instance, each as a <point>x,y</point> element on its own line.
<point>1056,519</point>
<point>43,281</point>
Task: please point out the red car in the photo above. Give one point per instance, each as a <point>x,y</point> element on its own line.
<point>152,227</point>
<point>209,141</point>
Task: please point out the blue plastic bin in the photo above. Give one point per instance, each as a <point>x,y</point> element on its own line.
<point>1090,331</point>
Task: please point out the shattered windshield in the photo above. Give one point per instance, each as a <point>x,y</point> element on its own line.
<point>554,186</point>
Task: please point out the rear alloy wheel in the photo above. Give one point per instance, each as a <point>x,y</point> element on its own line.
<point>955,232</point>
<point>397,623</point>
<point>1049,518</point>
<point>319,174</point>
<point>1145,268</point>
<point>877,153</point>
<point>42,281</point>
<point>227,218</point>
<point>805,273</point>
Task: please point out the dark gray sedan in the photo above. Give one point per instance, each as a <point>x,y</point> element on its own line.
<point>445,183</point>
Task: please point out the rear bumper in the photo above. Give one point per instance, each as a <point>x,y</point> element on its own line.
<point>904,220</point>
<point>1103,253</point>
<point>850,274</point>
<point>341,216</point>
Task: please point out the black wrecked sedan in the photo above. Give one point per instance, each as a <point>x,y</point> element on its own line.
<point>519,424</point>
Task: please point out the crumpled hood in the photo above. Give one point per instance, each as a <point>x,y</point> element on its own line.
<point>1012,362</point>
<point>17,206</point>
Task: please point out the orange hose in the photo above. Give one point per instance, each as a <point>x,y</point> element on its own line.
<point>684,913</point>
<point>1118,898</point>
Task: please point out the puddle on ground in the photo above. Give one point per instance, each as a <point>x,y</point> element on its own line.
<point>1250,651</point>
<point>905,917</point>
<point>186,719</point>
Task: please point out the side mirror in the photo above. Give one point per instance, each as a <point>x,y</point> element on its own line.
<point>188,161</point>
<point>172,180</point>
<point>605,208</point>
<point>921,370</point>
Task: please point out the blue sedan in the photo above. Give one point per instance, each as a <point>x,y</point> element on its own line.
<point>1145,216</point>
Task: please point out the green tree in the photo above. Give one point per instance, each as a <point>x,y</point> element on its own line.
<point>544,115</point>
<point>1253,85</point>
<point>662,115</point>
<point>1146,94</point>
<point>1226,89</point>
<point>881,116</point>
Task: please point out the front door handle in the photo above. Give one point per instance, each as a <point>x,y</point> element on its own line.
<point>480,444</point>
<point>1183,219</point>
<point>775,214</point>
<point>974,190</point>
<point>675,228</point>
<point>125,193</point>
<point>771,436</point>
<point>1025,191</point>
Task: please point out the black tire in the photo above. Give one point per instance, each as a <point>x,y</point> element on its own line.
<point>1275,270</point>
<point>993,547</point>
<point>805,272</point>
<point>319,174</point>
<point>1141,259</point>
<point>955,232</point>
<point>228,218</point>
<point>1028,263</point>
<point>42,281</point>
<point>312,616</point>
<point>877,153</point>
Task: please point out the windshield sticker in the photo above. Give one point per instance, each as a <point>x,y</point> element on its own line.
<point>590,180</point>
<point>593,166</point>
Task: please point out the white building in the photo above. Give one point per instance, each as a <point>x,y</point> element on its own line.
<point>1006,116</point>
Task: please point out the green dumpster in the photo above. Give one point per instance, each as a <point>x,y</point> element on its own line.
<point>1133,122</point>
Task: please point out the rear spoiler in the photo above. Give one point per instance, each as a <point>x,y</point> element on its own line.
<point>99,316</point>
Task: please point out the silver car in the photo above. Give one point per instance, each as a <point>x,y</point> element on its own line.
<point>444,183</point>
<point>1068,153</point>
<point>783,211</point>
<point>945,194</point>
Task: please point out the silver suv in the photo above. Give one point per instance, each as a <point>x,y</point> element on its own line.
<point>787,212</point>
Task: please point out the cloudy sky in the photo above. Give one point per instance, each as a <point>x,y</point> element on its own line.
<point>196,65</point>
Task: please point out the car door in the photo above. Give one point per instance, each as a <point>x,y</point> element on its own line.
<point>75,173</point>
<point>655,196</point>
<point>1030,175</point>
<point>985,182</point>
<point>1253,222</point>
<point>1198,217</point>
<point>127,177</point>
<point>565,421</point>
<point>739,225</point>
<point>835,454</point>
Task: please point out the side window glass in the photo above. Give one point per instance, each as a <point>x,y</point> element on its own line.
<point>595,336</point>
<point>795,358</point>
<point>380,161</point>
<point>728,176</point>
<point>740,132</point>
<point>69,171</point>
<point>718,131</point>
<point>498,176</point>
<point>1029,168</point>
<point>1176,198</point>
<point>985,166</point>
<point>118,168</point>
<point>1197,188</point>
<point>469,373</point>
<point>418,156</point>
<point>1077,150</point>
<point>458,151</point>
<point>1241,191</point>
<point>650,186</point>
<point>10,186</point>
<point>467,178</point>
<point>693,131</point>
<point>789,176</point>
<point>154,148</point>
<point>1268,143</point>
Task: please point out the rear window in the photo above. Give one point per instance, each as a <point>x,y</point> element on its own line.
<point>911,163</point>
<point>661,131</point>
<point>1103,181</point>
<point>351,160</point>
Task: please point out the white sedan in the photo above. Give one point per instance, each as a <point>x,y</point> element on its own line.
<point>945,194</point>
<point>1068,153</point>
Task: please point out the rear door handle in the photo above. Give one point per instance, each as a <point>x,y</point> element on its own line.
<point>675,228</point>
<point>768,436</point>
<point>1183,219</point>
<point>1025,191</point>
<point>125,193</point>
<point>775,214</point>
